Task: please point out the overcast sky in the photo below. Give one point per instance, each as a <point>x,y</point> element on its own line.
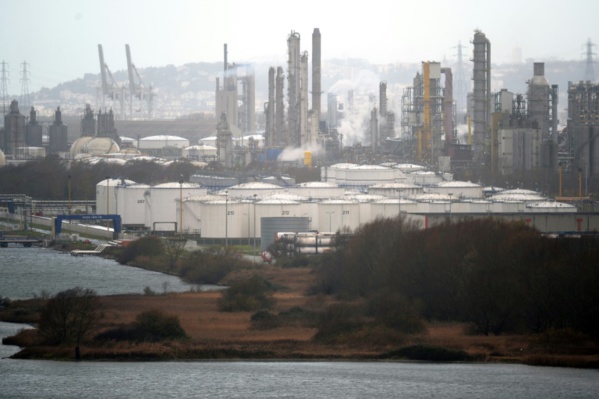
<point>58,39</point>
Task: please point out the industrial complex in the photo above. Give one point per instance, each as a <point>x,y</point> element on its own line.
<point>404,165</point>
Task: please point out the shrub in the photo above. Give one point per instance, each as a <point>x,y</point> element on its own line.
<point>297,316</point>
<point>264,320</point>
<point>338,320</point>
<point>246,295</point>
<point>149,326</point>
<point>429,353</point>
<point>393,310</point>
<point>147,246</point>
<point>210,266</point>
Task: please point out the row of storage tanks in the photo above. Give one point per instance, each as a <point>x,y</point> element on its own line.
<point>238,211</point>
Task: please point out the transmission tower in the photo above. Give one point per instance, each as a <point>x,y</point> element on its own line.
<point>4,80</point>
<point>589,74</point>
<point>25,99</point>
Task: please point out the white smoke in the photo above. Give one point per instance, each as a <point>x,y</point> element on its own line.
<point>290,154</point>
<point>354,124</point>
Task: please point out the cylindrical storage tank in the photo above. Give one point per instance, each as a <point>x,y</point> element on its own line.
<point>395,190</point>
<point>458,189</point>
<point>433,207</point>
<point>223,219</point>
<point>278,208</point>
<point>269,226</point>
<point>425,178</point>
<point>477,206</point>
<point>390,208</point>
<point>192,212</point>
<point>199,153</point>
<point>162,204</point>
<point>208,141</point>
<point>106,197</point>
<point>508,206</point>
<point>335,215</point>
<point>162,141</point>
<point>550,207</point>
<point>247,190</point>
<point>130,203</point>
<point>316,189</point>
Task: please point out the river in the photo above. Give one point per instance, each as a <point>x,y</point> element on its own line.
<point>25,273</point>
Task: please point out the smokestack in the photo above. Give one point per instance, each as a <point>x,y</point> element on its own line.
<point>226,62</point>
<point>270,110</point>
<point>383,99</point>
<point>279,107</point>
<point>316,74</point>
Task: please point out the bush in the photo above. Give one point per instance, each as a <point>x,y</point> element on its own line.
<point>264,320</point>
<point>297,316</point>
<point>393,310</point>
<point>210,266</point>
<point>150,246</point>
<point>429,353</point>
<point>247,295</point>
<point>337,321</point>
<point>149,326</point>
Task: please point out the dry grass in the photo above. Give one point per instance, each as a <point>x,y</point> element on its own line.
<point>214,334</point>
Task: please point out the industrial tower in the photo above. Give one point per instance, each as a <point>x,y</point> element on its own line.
<point>481,77</point>
<point>4,80</point>
<point>589,73</point>
<point>293,90</point>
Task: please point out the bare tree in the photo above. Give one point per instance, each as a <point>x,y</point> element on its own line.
<point>69,317</point>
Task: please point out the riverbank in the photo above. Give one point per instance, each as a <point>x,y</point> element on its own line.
<point>213,334</point>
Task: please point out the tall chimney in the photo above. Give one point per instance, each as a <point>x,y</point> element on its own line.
<point>316,74</point>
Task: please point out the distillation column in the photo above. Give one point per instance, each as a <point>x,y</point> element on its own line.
<point>481,76</point>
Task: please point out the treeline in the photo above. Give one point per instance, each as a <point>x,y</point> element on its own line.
<point>500,277</point>
<point>48,178</point>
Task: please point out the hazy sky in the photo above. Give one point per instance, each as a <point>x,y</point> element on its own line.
<point>58,38</point>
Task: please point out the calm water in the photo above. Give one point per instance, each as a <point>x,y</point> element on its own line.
<point>26,272</point>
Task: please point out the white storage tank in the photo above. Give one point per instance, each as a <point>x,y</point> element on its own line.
<point>162,141</point>
<point>162,204</point>
<point>390,208</point>
<point>339,214</point>
<point>106,197</point>
<point>316,189</point>
<point>199,153</point>
<point>395,190</point>
<point>247,190</point>
<point>425,178</point>
<point>550,207</point>
<point>223,218</point>
<point>432,203</point>
<point>192,212</point>
<point>471,206</point>
<point>130,203</point>
<point>458,189</point>
<point>209,141</point>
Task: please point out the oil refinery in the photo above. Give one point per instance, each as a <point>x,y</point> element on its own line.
<point>409,149</point>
